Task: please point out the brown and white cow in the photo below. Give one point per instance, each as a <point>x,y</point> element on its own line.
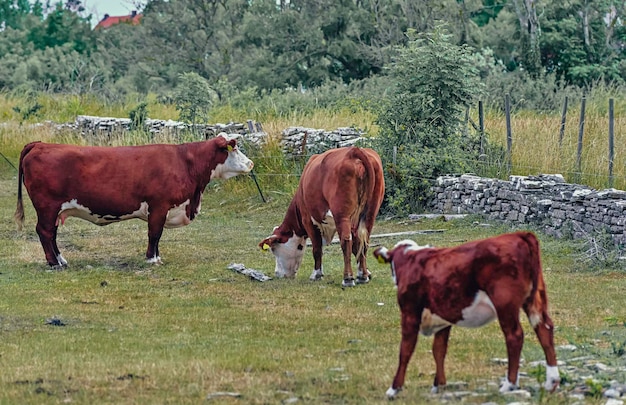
<point>340,191</point>
<point>471,285</point>
<point>160,184</point>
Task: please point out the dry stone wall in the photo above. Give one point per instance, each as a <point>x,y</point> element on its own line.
<point>92,126</point>
<point>307,141</point>
<point>295,141</point>
<point>547,201</point>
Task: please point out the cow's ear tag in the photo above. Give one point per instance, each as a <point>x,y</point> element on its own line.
<point>229,148</point>
<point>266,247</point>
<point>381,259</point>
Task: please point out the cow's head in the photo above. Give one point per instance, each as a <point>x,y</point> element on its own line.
<point>288,249</point>
<point>236,162</point>
<point>383,255</point>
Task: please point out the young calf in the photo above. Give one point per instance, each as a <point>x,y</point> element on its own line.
<point>471,285</point>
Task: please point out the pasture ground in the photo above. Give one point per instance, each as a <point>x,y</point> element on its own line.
<point>112,329</point>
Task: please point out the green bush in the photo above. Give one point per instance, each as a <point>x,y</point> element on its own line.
<point>193,97</point>
<point>421,136</point>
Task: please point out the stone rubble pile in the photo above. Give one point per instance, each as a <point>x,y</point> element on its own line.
<point>586,377</point>
<point>560,209</point>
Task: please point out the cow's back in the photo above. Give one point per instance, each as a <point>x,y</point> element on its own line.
<point>338,175</point>
<point>111,180</point>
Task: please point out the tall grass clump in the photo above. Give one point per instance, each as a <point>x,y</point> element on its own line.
<point>537,148</point>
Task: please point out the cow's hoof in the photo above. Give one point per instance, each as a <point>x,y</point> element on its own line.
<point>362,280</point>
<point>57,267</point>
<point>508,387</point>
<point>392,392</point>
<point>348,282</point>
<point>553,379</point>
<point>155,260</point>
<point>316,275</point>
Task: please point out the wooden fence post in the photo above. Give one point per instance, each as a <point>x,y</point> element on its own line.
<point>481,126</point>
<point>509,136</point>
<point>611,140</point>
<point>581,131</point>
<point>563,117</point>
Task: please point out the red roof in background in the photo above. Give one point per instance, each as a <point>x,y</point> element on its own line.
<point>109,21</point>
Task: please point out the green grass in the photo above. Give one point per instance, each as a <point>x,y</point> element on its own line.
<point>142,334</point>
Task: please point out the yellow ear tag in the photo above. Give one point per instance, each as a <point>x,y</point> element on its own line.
<point>266,246</point>
<point>229,148</point>
<point>381,260</point>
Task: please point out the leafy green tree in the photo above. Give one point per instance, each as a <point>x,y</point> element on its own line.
<point>14,12</point>
<point>180,36</point>
<point>193,98</point>
<point>435,81</point>
<point>63,26</point>
<point>583,40</point>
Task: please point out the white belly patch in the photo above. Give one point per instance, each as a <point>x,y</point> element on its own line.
<point>176,217</point>
<point>480,313</point>
<point>327,227</point>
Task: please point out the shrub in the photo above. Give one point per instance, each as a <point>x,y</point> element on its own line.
<point>435,81</point>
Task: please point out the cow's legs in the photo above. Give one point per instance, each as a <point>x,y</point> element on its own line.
<point>544,329</point>
<point>318,251</point>
<point>359,250</point>
<point>57,252</point>
<point>345,237</point>
<point>440,348</point>
<point>508,316</point>
<point>47,230</point>
<point>410,328</point>
<point>156,221</point>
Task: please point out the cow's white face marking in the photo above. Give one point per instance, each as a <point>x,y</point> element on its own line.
<point>409,245</point>
<point>236,163</point>
<point>176,217</point>
<point>327,227</point>
<point>288,256</point>
<point>479,313</point>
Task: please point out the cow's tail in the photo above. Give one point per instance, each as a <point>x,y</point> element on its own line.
<point>365,213</point>
<point>19,210</point>
<point>537,303</point>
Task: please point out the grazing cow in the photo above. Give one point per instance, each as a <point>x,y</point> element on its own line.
<point>340,191</point>
<point>161,184</point>
<point>471,285</point>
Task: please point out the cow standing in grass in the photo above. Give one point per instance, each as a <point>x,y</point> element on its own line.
<point>340,191</point>
<point>471,285</point>
<point>160,184</point>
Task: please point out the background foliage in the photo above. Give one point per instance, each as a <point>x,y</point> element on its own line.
<point>268,45</point>
<point>392,68</point>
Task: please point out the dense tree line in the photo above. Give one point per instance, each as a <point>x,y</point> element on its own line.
<point>267,45</point>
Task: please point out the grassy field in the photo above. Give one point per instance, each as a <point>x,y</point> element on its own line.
<point>112,329</point>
